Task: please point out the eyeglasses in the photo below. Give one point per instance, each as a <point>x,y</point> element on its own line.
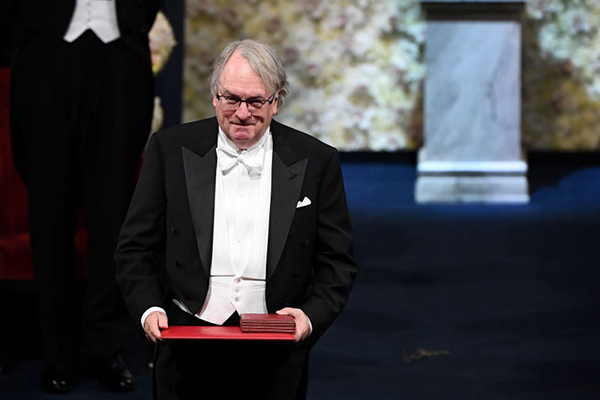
<point>232,103</point>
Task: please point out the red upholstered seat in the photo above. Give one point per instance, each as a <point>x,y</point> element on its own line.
<point>15,250</point>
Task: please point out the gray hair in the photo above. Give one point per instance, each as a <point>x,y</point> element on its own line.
<point>263,60</point>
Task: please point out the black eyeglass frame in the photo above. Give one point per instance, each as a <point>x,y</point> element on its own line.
<point>249,105</point>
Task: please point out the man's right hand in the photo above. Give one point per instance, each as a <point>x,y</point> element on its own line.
<point>155,322</point>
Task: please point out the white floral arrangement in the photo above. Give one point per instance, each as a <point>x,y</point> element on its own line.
<point>561,108</point>
<point>161,41</point>
<point>354,66</point>
<point>571,31</point>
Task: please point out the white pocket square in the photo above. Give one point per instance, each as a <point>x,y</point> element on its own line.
<point>305,202</point>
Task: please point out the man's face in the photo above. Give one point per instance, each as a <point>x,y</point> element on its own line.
<point>243,127</point>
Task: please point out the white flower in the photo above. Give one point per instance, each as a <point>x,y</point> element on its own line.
<point>161,41</point>
<point>354,65</point>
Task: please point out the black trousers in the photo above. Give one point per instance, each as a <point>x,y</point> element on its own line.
<point>80,117</point>
<point>227,369</point>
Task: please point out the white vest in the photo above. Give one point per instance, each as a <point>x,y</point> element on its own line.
<point>241,232</point>
<point>98,15</point>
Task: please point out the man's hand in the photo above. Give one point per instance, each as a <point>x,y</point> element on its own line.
<point>302,323</point>
<point>154,323</point>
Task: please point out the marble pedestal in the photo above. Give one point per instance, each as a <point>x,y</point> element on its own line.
<point>472,150</point>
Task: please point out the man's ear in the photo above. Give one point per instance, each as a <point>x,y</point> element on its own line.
<point>275,104</point>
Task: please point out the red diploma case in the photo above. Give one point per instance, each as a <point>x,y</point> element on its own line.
<point>221,333</point>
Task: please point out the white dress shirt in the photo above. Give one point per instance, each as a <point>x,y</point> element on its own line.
<point>241,230</point>
<point>98,15</point>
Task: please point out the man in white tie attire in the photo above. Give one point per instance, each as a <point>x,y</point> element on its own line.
<point>237,214</point>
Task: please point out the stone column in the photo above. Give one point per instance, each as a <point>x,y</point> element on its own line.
<point>472,150</point>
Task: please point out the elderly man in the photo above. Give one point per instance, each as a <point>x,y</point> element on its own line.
<point>237,214</point>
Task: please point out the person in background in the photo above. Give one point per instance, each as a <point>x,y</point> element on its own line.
<point>237,214</point>
<point>81,107</point>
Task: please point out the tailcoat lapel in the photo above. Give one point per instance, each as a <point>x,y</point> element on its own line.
<point>287,178</point>
<point>200,163</point>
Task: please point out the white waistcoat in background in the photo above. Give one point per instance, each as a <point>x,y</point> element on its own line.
<point>98,15</point>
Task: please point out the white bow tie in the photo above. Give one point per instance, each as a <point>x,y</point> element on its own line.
<point>253,160</point>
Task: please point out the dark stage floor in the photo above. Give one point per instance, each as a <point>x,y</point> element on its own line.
<point>451,302</point>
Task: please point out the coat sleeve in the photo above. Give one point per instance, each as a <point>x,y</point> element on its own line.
<point>140,251</point>
<point>334,268</point>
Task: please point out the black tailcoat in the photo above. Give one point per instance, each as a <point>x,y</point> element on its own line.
<point>165,246</point>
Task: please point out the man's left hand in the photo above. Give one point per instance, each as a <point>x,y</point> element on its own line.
<point>302,322</point>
